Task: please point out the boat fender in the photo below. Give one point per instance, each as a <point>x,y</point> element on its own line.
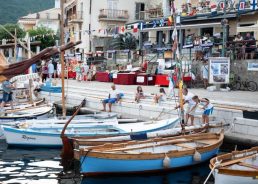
<point>166,162</point>
<point>197,156</point>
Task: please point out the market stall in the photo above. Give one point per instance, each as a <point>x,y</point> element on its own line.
<point>124,78</point>
<point>145,79</point>
<point>103,77</point>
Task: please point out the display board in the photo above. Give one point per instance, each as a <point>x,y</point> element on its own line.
<point>219,70</point>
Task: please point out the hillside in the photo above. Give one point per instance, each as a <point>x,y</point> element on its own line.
<point>11,10</point>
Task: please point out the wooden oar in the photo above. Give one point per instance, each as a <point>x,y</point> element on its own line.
<point>67,150</point>
<point>22,109</point>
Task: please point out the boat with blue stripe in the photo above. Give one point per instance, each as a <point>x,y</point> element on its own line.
<point>151,155</point>
<point>49,136</point>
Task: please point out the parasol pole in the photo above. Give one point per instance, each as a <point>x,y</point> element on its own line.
<point>62,56</point>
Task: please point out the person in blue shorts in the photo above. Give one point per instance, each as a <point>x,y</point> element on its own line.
<point>113,97</point>
<point>7,94</point>
<point>208,109</point>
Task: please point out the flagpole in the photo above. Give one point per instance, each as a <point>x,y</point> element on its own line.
<point>62,57</point>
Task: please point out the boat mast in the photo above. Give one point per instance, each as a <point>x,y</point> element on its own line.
<point>180,74</point>
<point>62,56</point>
<point>15,45</point>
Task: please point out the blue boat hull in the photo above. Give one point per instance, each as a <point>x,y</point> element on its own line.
<point>97,166</point>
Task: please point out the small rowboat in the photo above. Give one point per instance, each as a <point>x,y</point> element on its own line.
<point>238,167</point>
<point>49,135</point>
<point>148,156</point>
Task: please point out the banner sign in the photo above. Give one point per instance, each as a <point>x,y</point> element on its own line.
<point>252,66</point>
<point>219,70</point>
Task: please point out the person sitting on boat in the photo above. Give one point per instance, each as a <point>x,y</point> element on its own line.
<point>208,109</point>
<point>7,87</point>
<point>162,96</point>
<point>113,97</point>
<point>139,94</point>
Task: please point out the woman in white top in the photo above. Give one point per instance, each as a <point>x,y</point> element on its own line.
<point>161,96</point>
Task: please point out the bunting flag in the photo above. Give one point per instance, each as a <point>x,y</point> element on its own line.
<point>170,21</point>
<point>122,29</point>
<point>241,5</point>
<point>254,5</point>
<point>221,5</point>
<point>135,28</point>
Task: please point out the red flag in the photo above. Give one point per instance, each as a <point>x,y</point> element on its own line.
<point>122,29</point>
<point>135,28</point>
<point>221,4</point>
<point>242,5</point>
<point>170,21</point>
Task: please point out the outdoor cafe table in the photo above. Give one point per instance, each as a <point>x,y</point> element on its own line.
<point>124,78</point>
<point>102,77</point>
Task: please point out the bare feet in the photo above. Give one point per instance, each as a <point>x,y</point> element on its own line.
<point>104,110</point>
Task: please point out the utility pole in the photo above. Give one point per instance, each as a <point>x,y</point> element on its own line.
<point>62,56</point>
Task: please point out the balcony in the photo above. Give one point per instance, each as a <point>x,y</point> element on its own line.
<point>150,14</point>
<point>113,15</point>
<point>75,17</point>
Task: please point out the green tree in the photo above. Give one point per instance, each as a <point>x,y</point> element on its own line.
<point>123,41</point>
<point>46,36</point>
<point>11,28</point>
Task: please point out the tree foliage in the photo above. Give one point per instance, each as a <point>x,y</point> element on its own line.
<point>123,41</point>
<point>11,28</point>
<point>46,36</point>
<point>12,10</point>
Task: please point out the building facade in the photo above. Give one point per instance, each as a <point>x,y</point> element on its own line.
<point>47,18</point>
<point>94,22</point>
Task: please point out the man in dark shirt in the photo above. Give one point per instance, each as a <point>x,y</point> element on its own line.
<point>249,46</point>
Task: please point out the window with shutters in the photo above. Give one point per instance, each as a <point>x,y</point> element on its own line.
<point>139,11</point>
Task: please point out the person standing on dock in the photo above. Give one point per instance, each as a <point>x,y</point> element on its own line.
<point>113,97</point>
<point>205,73</point>
<point>7,87</point>
<point>51,70</point>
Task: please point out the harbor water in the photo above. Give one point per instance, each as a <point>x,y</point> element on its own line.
<point>41,166</point>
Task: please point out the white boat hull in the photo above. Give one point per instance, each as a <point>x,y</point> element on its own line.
<point>229,179</point>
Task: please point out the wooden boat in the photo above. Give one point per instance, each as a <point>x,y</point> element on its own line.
<point>26,113</point>
<point>148,156</point>
<point>83,142</point>
<point>50,136</point>
<point>238,167</point>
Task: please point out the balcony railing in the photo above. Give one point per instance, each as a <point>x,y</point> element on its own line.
<point>76,17</point>
<point>114,15</point>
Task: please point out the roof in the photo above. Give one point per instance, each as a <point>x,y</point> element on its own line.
<point>53,14</point>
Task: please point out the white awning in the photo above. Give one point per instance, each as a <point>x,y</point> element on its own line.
<point>248,28</point>
<point>216,24</point>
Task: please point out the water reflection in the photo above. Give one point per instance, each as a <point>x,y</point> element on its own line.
<point>194,175</point>
<point>41,166</point>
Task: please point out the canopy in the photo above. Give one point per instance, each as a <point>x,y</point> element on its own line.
<point>248,28</point>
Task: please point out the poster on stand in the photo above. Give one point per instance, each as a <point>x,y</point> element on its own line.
<point>252,66</point>
<point>219,70</point>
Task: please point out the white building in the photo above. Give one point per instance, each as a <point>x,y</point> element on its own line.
<point>93,21</point>
<point>47,18</point>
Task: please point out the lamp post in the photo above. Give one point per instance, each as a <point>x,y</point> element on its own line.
<point>224,23</point>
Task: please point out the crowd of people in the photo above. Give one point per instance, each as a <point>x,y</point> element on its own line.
<point>192,101</point>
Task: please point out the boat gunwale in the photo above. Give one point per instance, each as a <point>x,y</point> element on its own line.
<point>147,155</point>
<point>235,172</point>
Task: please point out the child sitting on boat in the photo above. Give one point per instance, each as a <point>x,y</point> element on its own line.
<point>208,109</point>
<point>139,94</point>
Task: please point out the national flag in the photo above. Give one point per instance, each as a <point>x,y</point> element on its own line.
<point>135,28</point>
<point>170,21</point>
<point>213,7</point>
